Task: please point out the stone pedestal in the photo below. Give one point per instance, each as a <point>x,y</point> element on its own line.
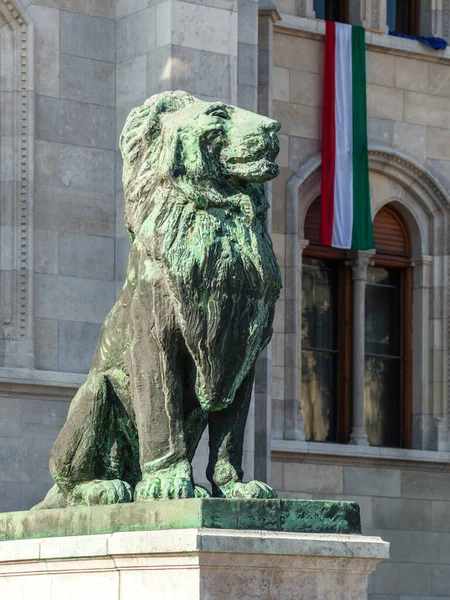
<point>198,549</point>
<point>190,564</point>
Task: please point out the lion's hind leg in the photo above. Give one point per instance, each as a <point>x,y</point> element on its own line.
<point>83,463</point>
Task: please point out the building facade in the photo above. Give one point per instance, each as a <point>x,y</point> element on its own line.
<point>351,397</point>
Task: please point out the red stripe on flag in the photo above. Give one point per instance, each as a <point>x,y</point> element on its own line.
<point>328,137</point>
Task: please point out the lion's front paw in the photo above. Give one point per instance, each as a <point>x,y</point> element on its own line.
<point>170,482</point>
<point>100,491</point>
<point>248,491</point>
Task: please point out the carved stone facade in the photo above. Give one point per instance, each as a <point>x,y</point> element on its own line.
<point>16,186</point>
<point>70,72</point>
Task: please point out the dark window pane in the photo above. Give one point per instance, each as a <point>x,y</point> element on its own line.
<point>318,395</point>
<point>319,7</point>
<point>383,312</point>
<point>331,10</point>
<point>319,345</point>
<point>383,356</point>
<point>382,401</point>
<point>391,14</point>
<point>318,305</point>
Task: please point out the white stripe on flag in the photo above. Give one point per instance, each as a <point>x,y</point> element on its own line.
<point>343,181</point>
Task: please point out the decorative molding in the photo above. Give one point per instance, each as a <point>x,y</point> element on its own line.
<point>18,325</point>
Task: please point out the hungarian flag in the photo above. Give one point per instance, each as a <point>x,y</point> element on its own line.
<point>345,220</point>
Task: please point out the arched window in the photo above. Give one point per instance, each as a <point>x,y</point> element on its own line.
<point>326,335</point>
<point>388,334</point>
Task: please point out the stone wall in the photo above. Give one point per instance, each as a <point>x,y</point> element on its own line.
<point>74,175</point>
<point>404,502</point>
<point>408,108</point>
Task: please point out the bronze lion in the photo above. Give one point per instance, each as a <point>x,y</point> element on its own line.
<point>178,350</point>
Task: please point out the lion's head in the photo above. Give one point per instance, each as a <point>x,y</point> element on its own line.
<point>208,151</point>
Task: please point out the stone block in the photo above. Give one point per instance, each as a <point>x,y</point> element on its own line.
<point>86,256</point>
<point>297,53</point>
<point>198,72</point>
<point>217,33</point>
<point>46,162</point>
<point>380,131</point>
<point>300,150</point>
<point>10,418</point>
<point>247,97</point>
<point>412,74</point>
<point>277,383</point>
<point>384,103</point>
<point>439,80</point>
<point>132,79</point>
<point>441,170</point>
<point>128,7</point>
<point>136,34</point>
<point>313,478</point>
<point>278,321</point>
<point>248,22</point>
<point>46,348</point>
<point>305,88</point>
<point>8,103</point>
<point>438,143</point>
<point>411,139</point>
<point>280,84</point>
<point>372,481</point>
<point>46,49</point>
<point>287,7</point>
<point>74,211</point>
<point>426,485</point>
<point>401,513</point>
<point>298,119</point>
<point>72,298</point>
<point>76,345</point>
<point>87,36</point>
<point>87,80</point>
<point>96,8</point>
<point>400,579</point>
<point>43,419</point>
<point>75,123</point>
<point>424,109</point>
<point>277,424</point>
<point>46,251</point>
<point>439,578</point>
<point>440,516</point>
<point>86,169</point>
<point>247,64</point>
<point>380,69</point>
<point>10,495</point>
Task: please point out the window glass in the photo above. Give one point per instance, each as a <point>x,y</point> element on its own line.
<point>391,9</point>
<point>383,356</point>
<point>319,349</point>
<point>331,10</point>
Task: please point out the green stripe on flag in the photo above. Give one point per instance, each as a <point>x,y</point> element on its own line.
<point>362,233</point>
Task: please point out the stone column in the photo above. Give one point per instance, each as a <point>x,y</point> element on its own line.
<point>266,16</point>
<point>305,8</point>
<point>359,261</point>
<point>434,18</point>
<point>373,14</point>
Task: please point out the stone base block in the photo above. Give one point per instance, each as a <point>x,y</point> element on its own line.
<point>190,564</point>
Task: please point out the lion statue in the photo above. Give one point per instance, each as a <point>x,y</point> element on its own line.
<point>178,350</point>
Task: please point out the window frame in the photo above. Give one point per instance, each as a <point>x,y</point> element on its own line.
<point>410,22</point>
<point>345,319</point>
<point>344,10</point>
<point>344,336</point>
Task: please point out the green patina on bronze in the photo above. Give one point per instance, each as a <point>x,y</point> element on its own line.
<point>177,352</point>
<point>308,516</point>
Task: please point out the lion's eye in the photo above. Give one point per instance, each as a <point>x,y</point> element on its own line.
<point>221,113</point>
